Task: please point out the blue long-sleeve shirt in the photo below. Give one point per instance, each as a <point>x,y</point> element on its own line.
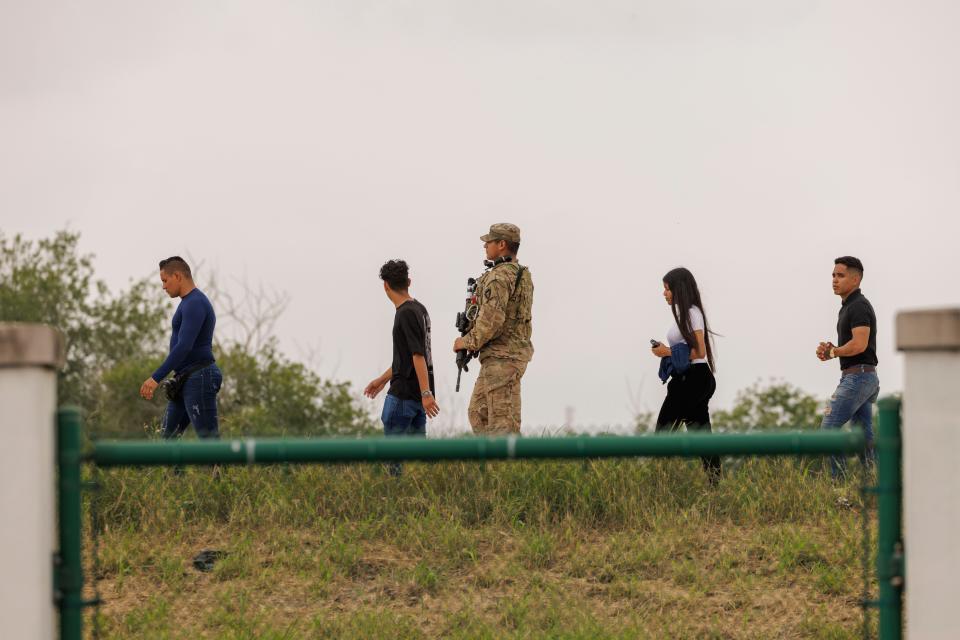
<point>192,338</point>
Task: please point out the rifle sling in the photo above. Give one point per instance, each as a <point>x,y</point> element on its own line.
<point>516,284</point>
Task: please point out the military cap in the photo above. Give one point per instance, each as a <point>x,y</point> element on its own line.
<point>502,231</point>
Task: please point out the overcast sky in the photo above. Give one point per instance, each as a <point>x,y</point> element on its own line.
<point>301,144</point>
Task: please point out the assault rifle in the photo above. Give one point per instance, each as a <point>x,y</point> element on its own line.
<point>465,320</point>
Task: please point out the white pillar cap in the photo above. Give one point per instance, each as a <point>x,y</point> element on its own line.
<point>929,330</point>
<point>31,345</point>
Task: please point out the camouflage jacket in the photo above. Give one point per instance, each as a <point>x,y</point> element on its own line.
<point>503,326</point>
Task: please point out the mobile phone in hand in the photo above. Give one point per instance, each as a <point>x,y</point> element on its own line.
<point>654,344</point>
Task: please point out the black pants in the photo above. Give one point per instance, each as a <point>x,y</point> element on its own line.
<point>687,403</point>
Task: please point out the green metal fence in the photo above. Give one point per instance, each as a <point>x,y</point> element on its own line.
<point>889,490</point>
<point>69,571</point>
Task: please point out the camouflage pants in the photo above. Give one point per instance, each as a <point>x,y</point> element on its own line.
<point>495,403</point>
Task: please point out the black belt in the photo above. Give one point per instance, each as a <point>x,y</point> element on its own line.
<point>858,368</point>
<point>192,369</point>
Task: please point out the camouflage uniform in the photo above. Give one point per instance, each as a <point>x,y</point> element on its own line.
<point>501,335</point>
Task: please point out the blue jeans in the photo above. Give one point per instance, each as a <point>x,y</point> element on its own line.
<point>197,405</point>
<point>402,418</point>
<point>853,402</point>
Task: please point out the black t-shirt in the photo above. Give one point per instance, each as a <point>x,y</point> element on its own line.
<point>857,312</point>
<point>411,334</point>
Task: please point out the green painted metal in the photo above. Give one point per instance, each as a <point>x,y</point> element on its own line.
<point>265,451</point>
<point>68,574</point>
<point>269,451</point>
<point>889,514</point>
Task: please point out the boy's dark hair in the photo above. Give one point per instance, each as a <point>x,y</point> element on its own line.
<point>396,274</point>
<point>176,264</point>
<point>512,247</point>
<point>850,263</point>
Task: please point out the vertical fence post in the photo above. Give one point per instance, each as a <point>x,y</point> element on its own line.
<point>889,505</point>
<point>69,574</point>
<point>30,355</point>
<point>930,342</point>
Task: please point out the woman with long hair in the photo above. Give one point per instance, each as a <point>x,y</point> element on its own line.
<point>687,362</point>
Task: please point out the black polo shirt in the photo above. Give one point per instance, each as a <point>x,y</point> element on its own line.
<point>857,311</point>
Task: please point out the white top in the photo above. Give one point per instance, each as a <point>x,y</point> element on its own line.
<point>674,336</point>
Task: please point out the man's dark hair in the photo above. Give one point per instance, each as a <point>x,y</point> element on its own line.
<point>176,264</point>
<point>512,247</point>
<point>396,274</point>
<point>850,263</point>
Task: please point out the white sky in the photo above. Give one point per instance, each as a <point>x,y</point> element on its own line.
<point>304,143</point>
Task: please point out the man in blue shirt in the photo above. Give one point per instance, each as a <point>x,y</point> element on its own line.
<point>191,357</point>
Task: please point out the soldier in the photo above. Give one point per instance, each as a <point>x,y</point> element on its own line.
<point>501,334</point>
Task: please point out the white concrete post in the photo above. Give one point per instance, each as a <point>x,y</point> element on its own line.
<point>29,358</point>
<point>931,470</point>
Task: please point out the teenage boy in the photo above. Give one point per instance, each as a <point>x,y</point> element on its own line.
<point>857,338</point>
<point>410,398</point>
<point>191,356</point>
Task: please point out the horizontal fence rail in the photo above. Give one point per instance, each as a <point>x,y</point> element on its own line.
<point>297,450</point>
<point>311,450</point>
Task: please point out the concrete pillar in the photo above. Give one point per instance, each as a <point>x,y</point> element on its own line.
<point>30,355</point>
<point>930,341</point>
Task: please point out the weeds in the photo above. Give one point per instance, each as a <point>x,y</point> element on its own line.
<point>599,549</point>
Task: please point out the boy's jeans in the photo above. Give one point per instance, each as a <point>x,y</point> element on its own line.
<point>402,418</point>
<point>853,401</point>
<point>197,405</point>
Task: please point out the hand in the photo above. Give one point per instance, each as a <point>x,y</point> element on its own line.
<point>458,345</point>
<point>431,407</point>
<point>823,351</point>
<point>661,351</point>
<point>147,388</point>
<point>375,387</point>
<point>820,350</point>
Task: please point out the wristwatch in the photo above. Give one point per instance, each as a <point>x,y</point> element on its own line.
<point>833,352</point>
<point>426,394</point>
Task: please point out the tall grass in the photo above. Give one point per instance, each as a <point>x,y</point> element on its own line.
<point>605,549</point>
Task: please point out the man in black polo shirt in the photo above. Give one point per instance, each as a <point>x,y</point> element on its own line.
<point>857,338</point>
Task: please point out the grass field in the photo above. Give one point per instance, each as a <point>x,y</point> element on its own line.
<point>586,549</point>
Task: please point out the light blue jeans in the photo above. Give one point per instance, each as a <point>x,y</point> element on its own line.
<point>853,402</point>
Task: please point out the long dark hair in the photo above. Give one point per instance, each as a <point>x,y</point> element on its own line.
<point>686,294</point>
